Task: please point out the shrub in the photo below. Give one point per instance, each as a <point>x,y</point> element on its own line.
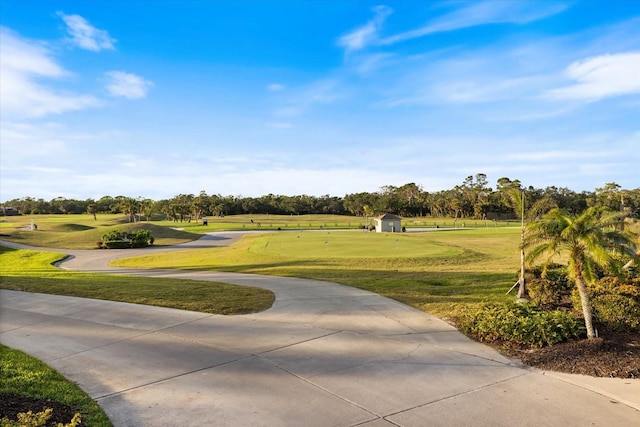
<point>521,325</point>
<point>615,303</point>
<point>551,287</point>
<point>123,240</point>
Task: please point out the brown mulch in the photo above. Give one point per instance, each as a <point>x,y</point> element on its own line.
<point>11,405</point>
<point>612,355</point>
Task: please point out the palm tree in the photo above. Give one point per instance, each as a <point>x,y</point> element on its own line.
<point>591,239</point>
<point>131,207</point>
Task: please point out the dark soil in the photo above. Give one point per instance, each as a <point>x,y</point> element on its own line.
<point>612,355</point>
<point>11,405</point>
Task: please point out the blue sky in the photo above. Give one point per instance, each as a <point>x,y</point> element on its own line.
<point>157,98</point>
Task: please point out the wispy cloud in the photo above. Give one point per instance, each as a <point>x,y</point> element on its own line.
<point>316,93</point>
<point>368,33</point>
<point>601,77</point>
<point>127,85</point>
<point>275,87</point>
<point>24,64</point>
<point>85,35</point>
<point>483,13</point>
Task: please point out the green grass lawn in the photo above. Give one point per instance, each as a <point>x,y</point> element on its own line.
<point>32,271</point>
<point>33,378</point>
<point>443,272</point>
<point>82,231</point>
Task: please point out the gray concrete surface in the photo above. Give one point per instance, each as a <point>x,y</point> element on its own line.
<point>323,355</point>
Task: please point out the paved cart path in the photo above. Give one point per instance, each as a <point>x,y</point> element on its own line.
<point>323,355</point>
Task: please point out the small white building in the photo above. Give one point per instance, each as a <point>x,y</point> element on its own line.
<point>388,223</point>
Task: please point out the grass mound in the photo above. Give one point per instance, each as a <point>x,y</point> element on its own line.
<point>71,227</point>
<point>55,233</point>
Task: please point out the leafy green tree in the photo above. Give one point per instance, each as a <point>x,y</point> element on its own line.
<point>590,240</point>
<point>609,196</point>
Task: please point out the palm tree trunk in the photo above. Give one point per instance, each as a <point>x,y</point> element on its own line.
<point>586,306</point>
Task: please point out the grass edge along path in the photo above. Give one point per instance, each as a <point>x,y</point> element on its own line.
<point>25,376</point>
<point>32,271</point>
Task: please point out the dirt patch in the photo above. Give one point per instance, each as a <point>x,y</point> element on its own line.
<point>11,405</point>
<point>613,355</point>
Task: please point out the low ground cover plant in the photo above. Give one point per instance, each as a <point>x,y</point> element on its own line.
<point>521,325</point>
<point>39,419</point>
<point>615,302</point>
<point>33,379</point>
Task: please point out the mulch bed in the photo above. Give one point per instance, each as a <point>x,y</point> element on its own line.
<point>613,355</point>
<point>11,405</point>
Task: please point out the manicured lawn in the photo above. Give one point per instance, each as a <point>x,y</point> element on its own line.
<point>81,231</point>
<point>27,376</point>
<point>444,272</point>
<point>32,271</point>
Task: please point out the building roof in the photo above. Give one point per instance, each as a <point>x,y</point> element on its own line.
<point>389,216</point>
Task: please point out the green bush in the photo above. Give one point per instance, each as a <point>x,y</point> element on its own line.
<point>521,325</point>
<point>549,288</point>
<point>123,240</point>
<point>117,244</point>
<point>615,303</point>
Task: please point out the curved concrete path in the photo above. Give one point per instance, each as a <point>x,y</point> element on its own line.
<point>323,355</point>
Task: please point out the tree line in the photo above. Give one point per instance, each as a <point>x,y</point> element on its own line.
<point>473,198</point>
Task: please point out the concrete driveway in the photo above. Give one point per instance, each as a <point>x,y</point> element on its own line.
<point>323,355</point>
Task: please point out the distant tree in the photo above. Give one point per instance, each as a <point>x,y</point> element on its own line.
<point>609,196</point>
<point>200,205</point>
<point>91,210</point>
<point>107,204</point>
<point>148,207</point>
<point>180,207</point>
<point>130,207</point>
<point>591,239</point>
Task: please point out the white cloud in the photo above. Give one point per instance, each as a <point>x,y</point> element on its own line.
<point>483,13</point>
<point>368,33</point>
<point>86,36</point>
<point>23,66</point>
<point>127,85</point>
<point>601,77</point>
